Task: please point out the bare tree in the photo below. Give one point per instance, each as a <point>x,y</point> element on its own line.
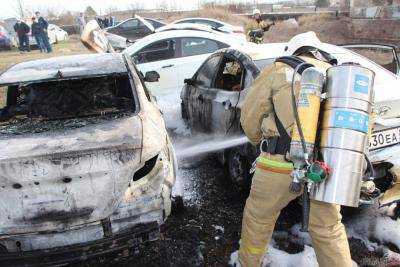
<point>19,8</point>
<point>137,5</point>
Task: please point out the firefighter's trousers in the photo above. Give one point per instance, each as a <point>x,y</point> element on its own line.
<point>268,196</point>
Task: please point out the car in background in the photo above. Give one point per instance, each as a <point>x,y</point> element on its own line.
<point>87,164</point>
<point>174,54</point>
<point>56,34</point>
<point>156,23</point>
<point>135,28</point>
<point>215,25</point>
<point>5,39</point>
<point>212,99</point>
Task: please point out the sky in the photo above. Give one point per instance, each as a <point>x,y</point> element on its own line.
<point>9,7</point>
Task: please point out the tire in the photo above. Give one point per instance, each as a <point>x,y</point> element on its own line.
<point>237,168</point>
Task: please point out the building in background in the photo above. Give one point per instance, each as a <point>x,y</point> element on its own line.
<point>380,19</point>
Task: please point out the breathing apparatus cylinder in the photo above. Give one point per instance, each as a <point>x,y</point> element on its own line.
<point>308,108</point>
<point>344,133</point>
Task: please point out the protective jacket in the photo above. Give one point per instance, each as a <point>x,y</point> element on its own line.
<point>257,25</point>
<point>270,95</point>
<point>271,92</point>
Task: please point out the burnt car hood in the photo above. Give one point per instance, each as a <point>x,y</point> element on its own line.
<point>55,181</point>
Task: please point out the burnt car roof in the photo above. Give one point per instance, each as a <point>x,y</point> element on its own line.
<point>64,67</point>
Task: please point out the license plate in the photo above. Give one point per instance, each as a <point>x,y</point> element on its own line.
<point>384,138</point>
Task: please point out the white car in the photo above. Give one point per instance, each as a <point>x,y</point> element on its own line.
<point>215,25</point>
<point>176,55</point>
<point>56,34</point>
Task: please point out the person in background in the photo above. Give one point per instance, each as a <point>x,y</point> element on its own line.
<point>22,30</point>
<point>257,27</point>
<point>38,33</point>
<point>44,25</point>
<point>80,22</point>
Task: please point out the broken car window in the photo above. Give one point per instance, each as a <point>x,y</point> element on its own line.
<point>207,71</point>
<point>192,46</point>
<point>230,76</point>
<point>57,105</point>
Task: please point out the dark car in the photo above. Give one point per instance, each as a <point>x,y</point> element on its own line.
<point>135,28</point>
<point>5,39</point>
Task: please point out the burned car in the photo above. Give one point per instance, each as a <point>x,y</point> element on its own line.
<point>212,98</point>
<point>86,163</point>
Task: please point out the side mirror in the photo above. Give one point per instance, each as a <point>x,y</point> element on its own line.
<point>151,76</point>
<point>189,81</point>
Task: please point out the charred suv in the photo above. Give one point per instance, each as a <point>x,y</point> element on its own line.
<point>86,163</point>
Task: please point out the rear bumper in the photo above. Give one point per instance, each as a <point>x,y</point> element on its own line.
<point>110,249</point>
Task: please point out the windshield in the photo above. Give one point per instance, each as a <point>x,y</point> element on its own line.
<point>39,107</point>
<point>263,63</point>
<point>384,56</point>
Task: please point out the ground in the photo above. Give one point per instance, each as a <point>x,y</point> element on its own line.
<point>71,47</point>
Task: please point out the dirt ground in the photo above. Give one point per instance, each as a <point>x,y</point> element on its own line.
<point>71,47</point>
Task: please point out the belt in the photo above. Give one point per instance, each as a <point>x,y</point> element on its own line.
<point>275,145</point>
<point>265,163</point>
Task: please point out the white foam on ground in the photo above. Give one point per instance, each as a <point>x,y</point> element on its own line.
<point>279,258</point>
<point>373,223</point>
<point>219,228</point>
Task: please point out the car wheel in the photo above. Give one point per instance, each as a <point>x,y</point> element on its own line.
<point>237,167</point>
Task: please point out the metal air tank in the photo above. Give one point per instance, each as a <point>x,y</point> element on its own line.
<point>344,133</point>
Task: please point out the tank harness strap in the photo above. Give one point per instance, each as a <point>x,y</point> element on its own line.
<point>281,144</point>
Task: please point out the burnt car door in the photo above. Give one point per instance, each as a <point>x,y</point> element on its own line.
<point>196,98</point>
<point>383,54</point>
<point>213,106</point>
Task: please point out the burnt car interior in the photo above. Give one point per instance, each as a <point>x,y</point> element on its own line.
<point>230,75</point>
<point>41,106</point>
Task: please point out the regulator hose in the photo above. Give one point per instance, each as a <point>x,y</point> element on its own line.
<point>305,197</point>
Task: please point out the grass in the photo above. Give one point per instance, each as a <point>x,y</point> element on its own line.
<point>71,47</point>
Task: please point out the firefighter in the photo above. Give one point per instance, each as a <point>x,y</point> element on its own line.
<point>266,115</point>
<point>256,28</point>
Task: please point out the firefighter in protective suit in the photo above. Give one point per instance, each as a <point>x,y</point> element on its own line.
<point>267,115</point>
<point>257,27</point>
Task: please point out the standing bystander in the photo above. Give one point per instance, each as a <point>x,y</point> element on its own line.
<point>37,32</point>
<point>80,22</point>
<point>22,30</point>
<point>44,25</point>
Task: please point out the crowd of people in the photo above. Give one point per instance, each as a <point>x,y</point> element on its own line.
<point>38,30</point>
